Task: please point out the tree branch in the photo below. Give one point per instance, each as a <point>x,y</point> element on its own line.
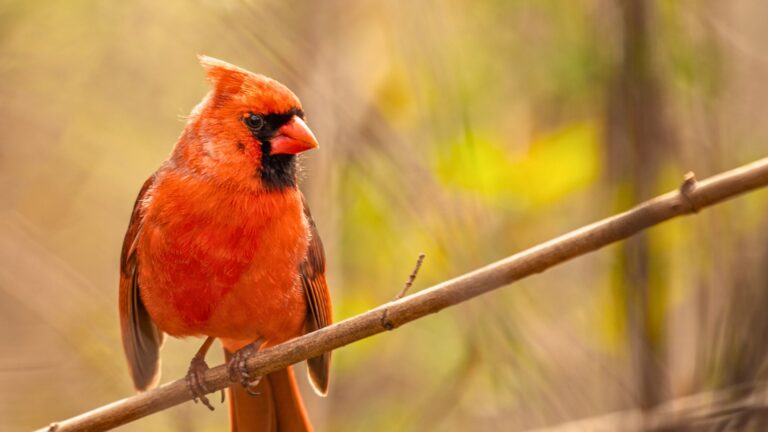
<point>704,411</point>
<point>691,197</point>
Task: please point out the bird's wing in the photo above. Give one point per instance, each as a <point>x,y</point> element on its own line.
<point>141,337</point>
<point>318,302</point>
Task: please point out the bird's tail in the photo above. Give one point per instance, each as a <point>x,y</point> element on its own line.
<point>276,408</point>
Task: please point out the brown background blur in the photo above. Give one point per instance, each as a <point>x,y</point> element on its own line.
<point>467,130</point>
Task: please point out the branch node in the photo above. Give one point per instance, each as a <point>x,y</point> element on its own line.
<point>385,322</point>
<point>687,189</point>
<point>52,427</point>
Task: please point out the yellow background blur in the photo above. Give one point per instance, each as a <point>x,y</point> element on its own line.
<point>467,130</point>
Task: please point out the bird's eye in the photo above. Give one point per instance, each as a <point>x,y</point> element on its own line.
<point>254,121</point>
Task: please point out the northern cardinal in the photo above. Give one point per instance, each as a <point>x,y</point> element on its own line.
<point>221,244</point>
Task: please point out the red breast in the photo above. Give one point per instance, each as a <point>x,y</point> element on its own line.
<point>222,262</point>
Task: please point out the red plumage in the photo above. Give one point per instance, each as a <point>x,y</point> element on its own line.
<point>221,242</point>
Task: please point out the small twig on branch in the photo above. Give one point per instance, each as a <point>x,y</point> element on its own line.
<point>412,277</point>
<point>431,300</point>
<point>387,324</point>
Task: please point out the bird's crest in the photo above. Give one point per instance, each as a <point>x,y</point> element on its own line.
<point>224,77</point>
<point>256,91</point>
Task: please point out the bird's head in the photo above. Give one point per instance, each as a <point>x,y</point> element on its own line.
<point>248,129</point>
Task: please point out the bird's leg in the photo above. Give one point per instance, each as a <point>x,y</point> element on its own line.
<point>238,371</point>
<point>197,368</point>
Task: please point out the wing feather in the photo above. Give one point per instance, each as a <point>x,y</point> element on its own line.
<point>318,302</point>
<point>141,337</point>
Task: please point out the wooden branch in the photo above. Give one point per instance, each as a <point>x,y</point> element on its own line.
<point>703,411</point>
<point>691,197</point>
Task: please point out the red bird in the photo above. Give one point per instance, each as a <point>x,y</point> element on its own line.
<point>221,244</point>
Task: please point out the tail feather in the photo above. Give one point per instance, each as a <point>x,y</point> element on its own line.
<point>276,408</point>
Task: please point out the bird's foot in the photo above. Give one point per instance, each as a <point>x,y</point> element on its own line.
<point>195,383</point>
<point>238,372</point>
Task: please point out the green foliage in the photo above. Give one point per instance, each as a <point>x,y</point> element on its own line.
<point>552,167</point>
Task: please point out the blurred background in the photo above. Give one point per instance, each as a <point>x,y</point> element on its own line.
<point>466,130</point>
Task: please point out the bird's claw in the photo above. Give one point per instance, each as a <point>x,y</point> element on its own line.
<point>195,383</point>
<point>250,386</point>
<point>238,371</point>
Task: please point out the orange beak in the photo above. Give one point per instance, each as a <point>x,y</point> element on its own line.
<point>293,137</point>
